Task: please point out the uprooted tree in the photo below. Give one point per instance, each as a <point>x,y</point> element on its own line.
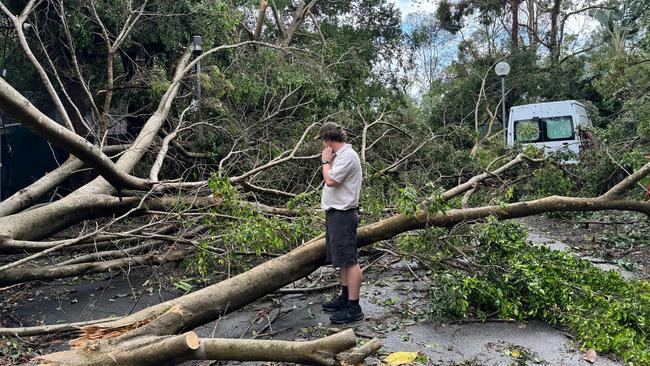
<point>200,168</point>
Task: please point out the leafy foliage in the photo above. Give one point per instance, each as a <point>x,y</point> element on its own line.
<point>244,231</point>
<point>514,279</point>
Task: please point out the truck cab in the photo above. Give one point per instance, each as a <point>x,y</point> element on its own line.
<point>552,126</point>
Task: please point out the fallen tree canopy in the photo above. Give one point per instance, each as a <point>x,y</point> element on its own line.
<point>205,305</point>
<point>211,163</point>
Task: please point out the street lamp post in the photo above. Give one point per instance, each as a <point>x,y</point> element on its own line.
<point>197,49</point>
<point>502,69</point>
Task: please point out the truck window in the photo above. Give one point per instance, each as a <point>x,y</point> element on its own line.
<point>527,131</point>
<point>558,128</point>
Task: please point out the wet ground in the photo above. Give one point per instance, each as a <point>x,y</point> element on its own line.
<point>611,240</point>
<point>393,300</point>
<point>394,313</point>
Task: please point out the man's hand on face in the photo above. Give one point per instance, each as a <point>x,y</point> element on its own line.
<point>327,154</point>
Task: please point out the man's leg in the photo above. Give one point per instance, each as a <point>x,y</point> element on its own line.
<point>345,289</point>
<point>354,276</point>
<point>352,312</point>
<point>341,301</point>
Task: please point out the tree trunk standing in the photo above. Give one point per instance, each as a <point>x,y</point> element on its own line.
<point>260,20</point>
<point>102,122</point>
<point>553,42</point>
<point>298,18</point>
<point>532,26</point>
<point>514,34</point>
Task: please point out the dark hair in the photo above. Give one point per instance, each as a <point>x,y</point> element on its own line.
<point>330,131</point>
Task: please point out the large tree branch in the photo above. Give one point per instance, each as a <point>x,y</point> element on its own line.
<point>20,108</point>
<point>475,180</point>
<point>132,156</point>
<point>274,162</point>
<point>393,167</point>
<point>162,153</point>
<point>18,275</point>
<point>28,195</point>
<point>627,183</point>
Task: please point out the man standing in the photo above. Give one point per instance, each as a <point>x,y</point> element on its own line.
<point>340,200</point>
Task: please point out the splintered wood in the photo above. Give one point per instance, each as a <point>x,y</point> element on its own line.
<point>94,333</point>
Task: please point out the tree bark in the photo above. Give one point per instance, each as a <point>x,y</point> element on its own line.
<point>514,34</point>
<point>21,109</point>
<point>69,210</point>
<point>171,350</point>
<point>24,274</point>
<point>298,19</point>
<point>554,46</point>
<point>260,20</point>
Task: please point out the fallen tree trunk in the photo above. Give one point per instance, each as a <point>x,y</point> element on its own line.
<point>171,350</point>
<point>207,304</point>
<point>24,274</point>
<point>28,195</point>
<point>69,210</point>
<point>22,110</point>
<point>9,246</point>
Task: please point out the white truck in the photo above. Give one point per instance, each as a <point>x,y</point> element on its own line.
<point>552,126</point>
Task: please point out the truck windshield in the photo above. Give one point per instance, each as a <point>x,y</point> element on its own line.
<point>544,129</point>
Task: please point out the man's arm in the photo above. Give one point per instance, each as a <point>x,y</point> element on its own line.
<point>328,180</point>
<point>327,157</point>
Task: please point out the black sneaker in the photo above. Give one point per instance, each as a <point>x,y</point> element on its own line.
<point>348,315</point>
<point>336,304</point>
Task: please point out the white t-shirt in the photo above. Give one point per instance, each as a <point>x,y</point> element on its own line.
<point>346,171</point>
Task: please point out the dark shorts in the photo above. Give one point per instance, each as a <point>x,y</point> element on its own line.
<point>341,237</point>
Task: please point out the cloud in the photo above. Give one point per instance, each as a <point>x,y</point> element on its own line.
<point>412,6</point>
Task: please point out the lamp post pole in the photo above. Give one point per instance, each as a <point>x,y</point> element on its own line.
<point>197,50</point>
<point>503,107</point>
<point>502,69</point>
